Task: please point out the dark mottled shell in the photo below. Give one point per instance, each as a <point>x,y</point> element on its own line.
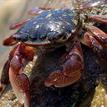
<point>48,26</point>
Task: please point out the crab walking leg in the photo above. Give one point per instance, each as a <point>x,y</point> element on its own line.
<point>98,34</point>
<point>71,69</point>
<point>98,19</point>
<point>37,10</point>
<point>97,40</point>
<point>18,24</point>
<point>34,11</point>
<point>90,4</point>
<point>9,41</point>
<point>91,42</point>
<point>4,80</point>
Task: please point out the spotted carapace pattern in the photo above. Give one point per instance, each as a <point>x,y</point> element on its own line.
<point>51,25</point>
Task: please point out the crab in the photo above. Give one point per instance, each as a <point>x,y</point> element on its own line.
<point>49,30</point>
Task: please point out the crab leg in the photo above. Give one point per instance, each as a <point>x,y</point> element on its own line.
<point>98,19</point>
<point>97,40</point>
<point>91,42</point>
<point>4,76</point>
<point>91,4</point>
<point>9,41</point>
<point>98,34</point>
<point>19,81</point>
<point>71,69</point>
<point>37,10</point>
<point>17,25</point>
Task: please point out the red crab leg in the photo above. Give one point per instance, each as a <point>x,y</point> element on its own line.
<point>98,19</point>
<point>17,25</point>
<point>71,69</point>
<point>98,34</point>
<point>91,42</point>
<point>9,41</point>
<point>19,81</point>
<point>37,10</point>
<point>97,40</point>
<point>5,72</point>
<point>88,4</point>
<point>4,76</point>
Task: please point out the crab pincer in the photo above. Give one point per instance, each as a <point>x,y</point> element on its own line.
<point>71,69</point>
<point>19,81</point>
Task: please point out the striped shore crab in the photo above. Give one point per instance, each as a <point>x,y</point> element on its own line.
<point>46,32</point>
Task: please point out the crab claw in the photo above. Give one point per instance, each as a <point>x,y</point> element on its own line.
<point>71,69</point>
<point>19,81</point>
<point>14,68</point>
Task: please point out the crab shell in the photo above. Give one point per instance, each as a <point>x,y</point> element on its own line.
<point>51,26</point>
